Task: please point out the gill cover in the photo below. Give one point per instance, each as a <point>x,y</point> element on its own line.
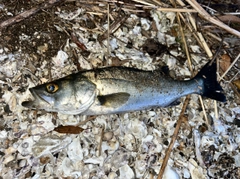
<point>85,93</point>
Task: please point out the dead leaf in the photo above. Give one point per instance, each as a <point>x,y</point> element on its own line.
<point>237,83</point>
<point>117,62</point>
<point>225,62</point>
<point>69,129</point>
<point>229,18</point>
<point>44,160</point>
<point>78,43</point>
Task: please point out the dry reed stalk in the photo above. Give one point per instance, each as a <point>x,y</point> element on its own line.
<point>175,10</point>
<point>209,18</point>
<point>174,137</point>
<point>217,38</point>
<point>108,32</point>
<point>100,142</point>
<point>204,111</point>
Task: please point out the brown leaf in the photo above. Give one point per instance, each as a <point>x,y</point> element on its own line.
<point>69,129</point>
<point>237,83</point>
<point>78,43</point>
<point>117,62</point>
<point>229,18</point>
<point>44,160</point>
<point>225,62</point>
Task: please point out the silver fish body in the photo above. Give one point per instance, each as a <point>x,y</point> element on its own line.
<point>119,89</point>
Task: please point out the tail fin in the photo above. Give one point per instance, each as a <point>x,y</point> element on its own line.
<point>212,88</point>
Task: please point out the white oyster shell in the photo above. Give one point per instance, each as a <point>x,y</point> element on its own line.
<point>170,173</point>
<point>60,59</point>
<point>74,150</point>
<point>137,128</point>
<point>50,144</point>
<point>126,172</point>
<point>25,147</point>
<point>195,170</point>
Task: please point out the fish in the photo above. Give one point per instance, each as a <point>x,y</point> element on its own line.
<point>113,90</point>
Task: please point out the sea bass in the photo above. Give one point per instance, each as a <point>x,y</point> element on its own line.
<point>120,89</point>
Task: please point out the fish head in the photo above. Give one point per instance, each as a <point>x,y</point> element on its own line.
<point>67,95</point>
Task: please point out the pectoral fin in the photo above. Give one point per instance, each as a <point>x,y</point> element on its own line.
<point>114,100</point>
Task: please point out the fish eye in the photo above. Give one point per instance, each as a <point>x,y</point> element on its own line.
<point>52,87</point>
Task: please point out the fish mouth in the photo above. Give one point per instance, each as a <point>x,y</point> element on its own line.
<point>38,99</point>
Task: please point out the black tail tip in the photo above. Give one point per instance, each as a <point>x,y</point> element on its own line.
<point>212,88</point>
<point>217,95</point>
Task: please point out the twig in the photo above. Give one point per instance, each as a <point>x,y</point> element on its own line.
<point>113,28</point>
<point>144,2</point>
<point>28,13</point>
<point>90,118</point>
<point>183,38</point>
<point>217,38</point>
<point>100,143</point>
<point>234,77</point>
<point>209,18</point>
<point>108,32</point>
<point>216,12</point>
<point>174,137</point>
<point>204,111</point>
<point>235,90</point>
<point>199,37</point>
<point>189,26</point>
<point>232,85</point>
<point>229,68</point>
<point>175,10</point>
<point>216,110</point>
<point>214,58</point>
<point>185,44</point>
<point>204,44</point>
